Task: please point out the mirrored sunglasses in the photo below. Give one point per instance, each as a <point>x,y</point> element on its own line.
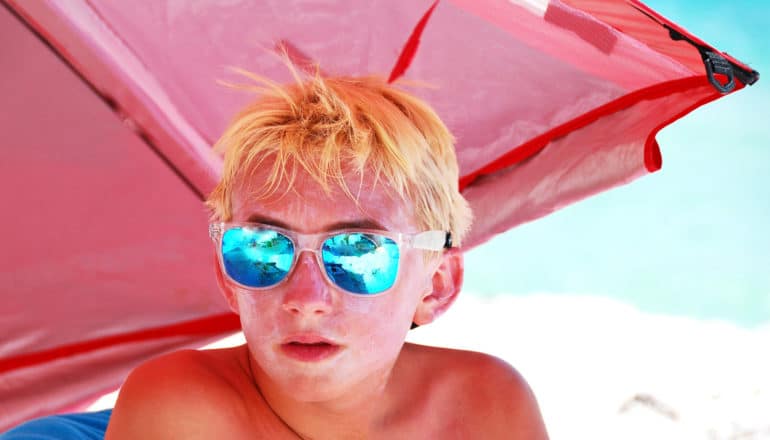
<point>360,261</point>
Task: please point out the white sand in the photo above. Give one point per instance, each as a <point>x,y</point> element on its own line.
<point>603,370</point>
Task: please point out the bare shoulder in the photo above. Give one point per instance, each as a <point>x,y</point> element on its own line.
<point>181,395</point>
<point>483,396</point>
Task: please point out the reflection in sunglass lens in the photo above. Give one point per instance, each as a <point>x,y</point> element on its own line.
<point>361,263</point>
<point>256,257</point>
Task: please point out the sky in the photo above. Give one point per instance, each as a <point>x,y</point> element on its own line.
<point>690,240</point>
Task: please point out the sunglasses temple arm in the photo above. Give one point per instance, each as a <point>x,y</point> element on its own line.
<point>432,240</point>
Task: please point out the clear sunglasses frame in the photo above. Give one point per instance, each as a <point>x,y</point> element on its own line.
<point>428,240</point>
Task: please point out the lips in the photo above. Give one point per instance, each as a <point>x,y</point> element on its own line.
<point>309,348</point>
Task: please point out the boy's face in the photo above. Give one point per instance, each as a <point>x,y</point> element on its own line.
<point>366,332</point>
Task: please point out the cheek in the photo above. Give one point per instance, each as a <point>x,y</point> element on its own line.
<point>394,309</point>
<point>256,317</point>
<point>385,340</point>
<point>382,322</point>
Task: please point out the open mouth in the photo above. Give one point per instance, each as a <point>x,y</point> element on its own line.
<point>309,351</point>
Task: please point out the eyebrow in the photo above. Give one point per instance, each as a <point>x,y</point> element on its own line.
<point>364,223</point>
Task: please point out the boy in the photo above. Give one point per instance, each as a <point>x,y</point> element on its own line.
<point>335,228</point>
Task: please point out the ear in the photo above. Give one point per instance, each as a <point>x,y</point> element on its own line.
<point>226,290</point>
<point>446,283</point>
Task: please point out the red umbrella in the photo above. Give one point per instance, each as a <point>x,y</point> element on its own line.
<point>109,110</point>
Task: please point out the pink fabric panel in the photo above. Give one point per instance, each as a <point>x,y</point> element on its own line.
<point>174,54</point>
<point>578,39</point>
<point>108,62</point>
<point>626,18</point>
<point>608,153</point>
<point>189,48</point>
<point>101,236</point>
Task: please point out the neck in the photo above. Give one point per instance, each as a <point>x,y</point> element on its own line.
<point>356,413</point>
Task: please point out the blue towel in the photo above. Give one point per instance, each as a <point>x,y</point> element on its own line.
<point>80,426</point>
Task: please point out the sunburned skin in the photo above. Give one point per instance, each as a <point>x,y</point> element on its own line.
<point>367,331</point>
<point>322,363</point>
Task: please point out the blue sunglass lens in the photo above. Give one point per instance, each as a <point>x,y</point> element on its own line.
<point>256,257</point>
<point>360,263</point>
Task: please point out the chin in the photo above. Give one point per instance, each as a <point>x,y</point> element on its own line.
<point>310,388</point>
<point>304,383</point>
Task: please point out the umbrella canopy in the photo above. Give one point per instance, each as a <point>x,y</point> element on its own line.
<point>110,108</point>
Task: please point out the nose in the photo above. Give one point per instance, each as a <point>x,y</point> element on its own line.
<point>307,292</point>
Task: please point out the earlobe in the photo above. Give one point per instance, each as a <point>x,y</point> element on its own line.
<point>446,283</point>
<point>227,292</point>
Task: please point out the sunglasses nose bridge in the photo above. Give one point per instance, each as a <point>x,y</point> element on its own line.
<point>301,251</point>
<point>316,256</point>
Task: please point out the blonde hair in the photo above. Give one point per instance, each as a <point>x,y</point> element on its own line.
<point>328,126</point>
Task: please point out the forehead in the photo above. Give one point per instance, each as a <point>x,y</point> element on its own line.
<point>307,207</point>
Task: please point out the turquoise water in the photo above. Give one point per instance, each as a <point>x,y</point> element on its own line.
<point>690,240</point>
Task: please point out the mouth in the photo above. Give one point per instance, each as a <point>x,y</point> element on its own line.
<point>309,349</point>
